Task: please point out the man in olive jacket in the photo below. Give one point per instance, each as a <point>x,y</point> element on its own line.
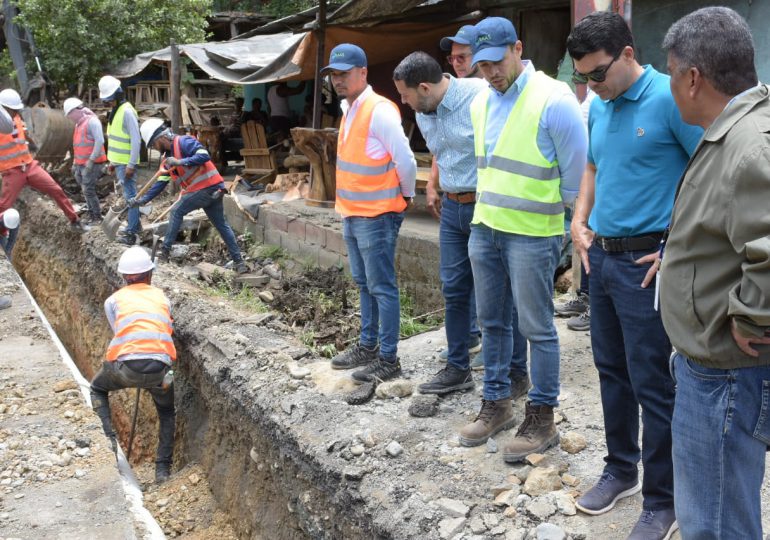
<point>715,280</point>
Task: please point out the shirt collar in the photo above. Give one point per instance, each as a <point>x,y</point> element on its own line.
<point>344,103</point>
<point>521,81</point>
<point>740,106</point>
<point>450,101</point>
<point>636,90</point>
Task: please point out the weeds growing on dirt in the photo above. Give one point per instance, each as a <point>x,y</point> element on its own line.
<point>412,324</point>
<point>245,297</point>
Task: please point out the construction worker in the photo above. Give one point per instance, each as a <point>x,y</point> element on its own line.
<point>141,353</point>
<point>189,164</point>
<point>530,145</point>
<point>87,153</point>
<point>6,122</point>
<point>123,145</point>
<point>376,175</point>
<point>9,229</point>
<point>19,168</point>
<point>460,54</point>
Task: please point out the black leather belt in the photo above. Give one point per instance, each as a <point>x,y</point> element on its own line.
<point>643,242</point>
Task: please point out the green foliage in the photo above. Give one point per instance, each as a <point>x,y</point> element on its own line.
<point>282,8</point>
<point>268,251</point>
<point>245,297</point>
<point>79,40</point>
<point>412,324</point>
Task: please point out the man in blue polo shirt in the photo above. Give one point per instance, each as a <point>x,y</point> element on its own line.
<point>638,148</point>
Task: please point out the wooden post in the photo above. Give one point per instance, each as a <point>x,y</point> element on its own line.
<point>174,90</point>
<point>320,60</point>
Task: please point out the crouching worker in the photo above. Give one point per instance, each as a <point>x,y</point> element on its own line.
<point>141,353</point>
<point>189,164</point>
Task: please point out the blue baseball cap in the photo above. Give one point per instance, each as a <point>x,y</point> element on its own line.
<point>492,37</point>
<point>464,36</point>
<point>345,57</point>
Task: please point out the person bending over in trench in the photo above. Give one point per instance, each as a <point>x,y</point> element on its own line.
<point>9,229</point>
<point>141,354</point>
<point>189,164</point>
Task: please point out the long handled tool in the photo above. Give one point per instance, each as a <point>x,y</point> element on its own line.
<point>133,425</point>
<point>111,222</point>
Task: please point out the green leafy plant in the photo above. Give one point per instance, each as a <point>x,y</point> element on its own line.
<point>412,324</point>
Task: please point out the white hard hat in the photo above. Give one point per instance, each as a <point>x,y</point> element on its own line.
<point>148,129</point>
<point>11,218</point>
<point>135,260</point>
<point>108,85</point>
<point>11,99</point>
<point>70,104</point>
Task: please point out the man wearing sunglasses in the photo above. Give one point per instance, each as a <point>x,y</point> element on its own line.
<point>459,49</point>
<point>638,148</point>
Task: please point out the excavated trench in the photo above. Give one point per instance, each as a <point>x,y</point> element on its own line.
<point>269,483</point>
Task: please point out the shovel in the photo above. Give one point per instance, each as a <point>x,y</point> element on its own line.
<point>111,222</point>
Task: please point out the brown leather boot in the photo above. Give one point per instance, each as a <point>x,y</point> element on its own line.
<point>536,434</point>
<point>494,416</point>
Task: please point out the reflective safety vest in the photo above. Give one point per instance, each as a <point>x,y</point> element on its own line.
<point>518,188</point>
<point>83,144</point>
<point>143,323</point>
<point>118,141</point>
<point>194,178</point>
<point>366,187</point>
<point>14,150</point>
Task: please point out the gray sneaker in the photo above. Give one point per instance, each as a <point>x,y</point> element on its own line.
<point>474,346</point>
<point>576,306</point>
<point>608,490</point>
<point>355,356</point>
<point>519,386</point>
<point>580,323</point>
<point>655,525</point>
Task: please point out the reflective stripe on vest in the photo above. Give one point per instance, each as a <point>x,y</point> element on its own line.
<point>14,150</point>
<point>83,145</point>
<point>118,141</point>
<point>366,187</point>
<point>143,323</point>
<point>518,188</point>
<point>194,178</point>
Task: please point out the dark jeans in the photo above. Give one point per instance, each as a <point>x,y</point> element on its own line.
<point>118,375</point>
<point>631,352</point>
<point>87,181</point>
<point>134,224</point>
<point>461,321</point>
<point>7,243</point>
<point>215,210</point>
<point>584,285</point>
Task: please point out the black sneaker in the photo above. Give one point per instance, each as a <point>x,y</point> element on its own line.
<point>580,323</point>
<point>608,490</point>
<point>79,227</point>
<point>378,371</point>
<point>355,356</point>
<point>574,307</point>
<point>241,268</point>
<point>162,473</point>
<point>519,386</point>
<point>128,239</point>
<point>449,379</point>
<point>164,255</point>
<point>655,525</point>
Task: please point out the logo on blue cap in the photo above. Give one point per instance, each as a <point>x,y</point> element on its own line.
<point>345,57</point>
<point>493,35</point>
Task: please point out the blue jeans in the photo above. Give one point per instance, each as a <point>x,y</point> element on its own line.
<point>721,431</point>
<point>514,274</point>
<point>371,244</point>
<point>631,351</point>
<point>8,242</point>
<point>210,202</point>
<point>129,190</point>
<point>457,286</point>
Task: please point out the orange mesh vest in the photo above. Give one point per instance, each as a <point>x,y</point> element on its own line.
<point>366,187</point>
<point>143,323</point>
<point>83,145</point>
<point>13,146</point>
<point>194,178</point>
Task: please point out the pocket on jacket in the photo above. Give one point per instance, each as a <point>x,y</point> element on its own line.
<point>762,431</point>
<point>689,296</point>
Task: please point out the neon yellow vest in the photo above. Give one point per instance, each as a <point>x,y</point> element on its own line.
<point>518,188</point>
<point>119,142</point>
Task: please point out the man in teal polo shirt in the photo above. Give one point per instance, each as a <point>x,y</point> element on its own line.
<point>638,148</point>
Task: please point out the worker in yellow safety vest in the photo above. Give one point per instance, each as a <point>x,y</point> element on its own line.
<point>141,353</point>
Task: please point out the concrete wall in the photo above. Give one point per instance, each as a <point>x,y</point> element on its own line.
<point>652,18</point>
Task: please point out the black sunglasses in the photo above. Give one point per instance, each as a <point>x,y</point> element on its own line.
<point>597,75</point>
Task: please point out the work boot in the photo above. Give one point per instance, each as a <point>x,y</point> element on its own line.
<point>355,356</point>
<point>241,268</point>
<point>164,255</point>
<point>655,525</point>
<point>519,385</point>
<point>378,371</point>
<point>493,417</point>
<point>162,472</point>
<point>79,227</point>
<point>536,434</point>
<point>580,323</point>
<point>127,238</point>
<point>574,307</point>
<point>96,220</point>
<point>449,379</point>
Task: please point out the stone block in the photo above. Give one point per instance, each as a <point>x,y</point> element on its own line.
<point>315,235</point>
<point>336,243</point>
<point>296,228</point>
<point>277,222</point>
<point>327,259</point>
<point>273,237</point>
